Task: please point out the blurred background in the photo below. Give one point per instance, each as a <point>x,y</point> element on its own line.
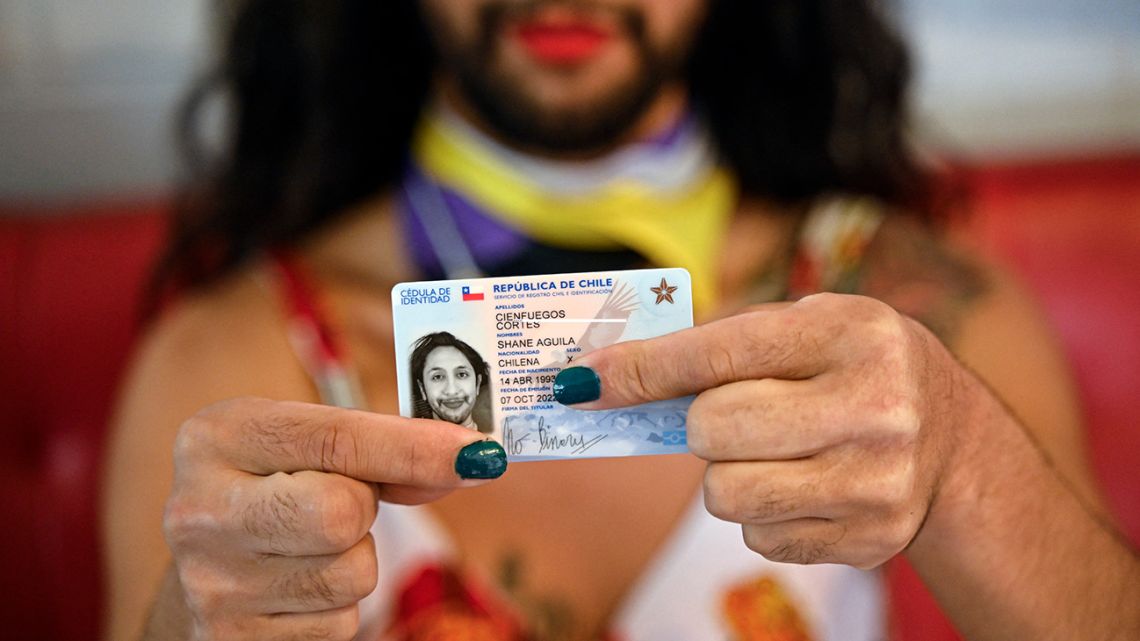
<point>1036,103</point>
<point>87,86</point>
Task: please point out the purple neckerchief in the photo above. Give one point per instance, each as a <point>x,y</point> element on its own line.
<point>490,241</point>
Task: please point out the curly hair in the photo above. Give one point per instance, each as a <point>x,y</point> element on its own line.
<point>803,98</point>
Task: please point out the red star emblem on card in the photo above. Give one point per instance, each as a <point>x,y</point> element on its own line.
<point>664,292</point>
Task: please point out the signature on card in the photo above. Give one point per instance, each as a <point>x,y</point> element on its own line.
<point>521,433</point>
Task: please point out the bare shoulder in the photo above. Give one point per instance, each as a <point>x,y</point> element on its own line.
<point>227,340</point>
<point>993,325</point>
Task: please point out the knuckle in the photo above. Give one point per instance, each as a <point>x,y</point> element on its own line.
<point>724,363</point>
<point>891,411</point>
<point>215,630</point>
<point>825,300</point>
<point>308,587</point>
<point>868,308</point>
<point>210,423</point>
<point>414,461</point>
<point>899,531</point>
<point>206,602</point>
<point>763,507</point>
<point>741,499</point>
<point>272,517</point>
<point>867,562</point>
<point>341,518</point>
<point>847,307</point>
<point>175,521</point>
<point>642,373</point>
<point>207,593</point>
<point>877,491</point>
<point>700,425</point>
<point>883,538</point>
<point>363,572</point>
<point>718,498</point>
<point>801,551</point>
<point>788,550</point>
<point>884,332</point>
<point>755,539</point>
<point>195,436</point>
<point>905,418</point>
<point>750,347</point>
<point>273,435</point>
<point>868,555</point>
<point>253,424</point>
<point>184,522</point>
<point>878,323</point>
<point>335,448</point>
<point>895,486</point>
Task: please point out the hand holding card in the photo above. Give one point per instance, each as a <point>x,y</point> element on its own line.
<point>826,423</point>
<point>484,354</point>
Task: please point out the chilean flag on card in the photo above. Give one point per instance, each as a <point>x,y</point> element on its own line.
<point>472,293</point>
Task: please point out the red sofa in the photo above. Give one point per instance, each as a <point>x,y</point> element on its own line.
<point>68,309</point>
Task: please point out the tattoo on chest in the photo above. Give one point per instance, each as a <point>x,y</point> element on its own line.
<point>906,266</point>
<point>547,617</point>
<point>916,273</point>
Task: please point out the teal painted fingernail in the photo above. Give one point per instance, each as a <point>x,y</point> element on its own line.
<point>481,460</point>
<point>577,385</point>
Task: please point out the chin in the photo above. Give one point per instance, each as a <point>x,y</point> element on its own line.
<point>451,418</point>
<point>579,89</point>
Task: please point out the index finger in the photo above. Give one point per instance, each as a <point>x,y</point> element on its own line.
<point>777,342</point>
<point>265,437</point>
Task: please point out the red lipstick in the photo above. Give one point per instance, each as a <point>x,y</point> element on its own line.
<point>561,43</point>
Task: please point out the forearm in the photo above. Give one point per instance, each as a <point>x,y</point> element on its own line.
<point>169,618</point>
<point>1010,552</point>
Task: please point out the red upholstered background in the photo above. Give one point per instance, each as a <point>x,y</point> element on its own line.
<point>69,287</point>
<point>68,300</point>
<point>1071,230</point>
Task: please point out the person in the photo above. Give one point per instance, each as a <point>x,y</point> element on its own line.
<point>450,377</point>
<point>908,399</point>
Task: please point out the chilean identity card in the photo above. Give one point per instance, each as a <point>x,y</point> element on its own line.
<point>483,353</point>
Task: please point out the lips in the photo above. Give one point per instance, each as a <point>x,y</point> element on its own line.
<point>453,403</point>
<point>561,42</point>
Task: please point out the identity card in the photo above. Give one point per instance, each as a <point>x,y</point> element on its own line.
<point>483,353</point>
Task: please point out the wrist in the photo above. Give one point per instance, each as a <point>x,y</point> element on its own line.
<point>977,432</point>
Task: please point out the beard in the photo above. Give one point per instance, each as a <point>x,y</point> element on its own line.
<point>457,415</point>
<point>524,121</point>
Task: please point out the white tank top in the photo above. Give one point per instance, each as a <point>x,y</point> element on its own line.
<point>703,584</point>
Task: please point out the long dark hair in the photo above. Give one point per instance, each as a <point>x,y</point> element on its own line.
<point>804,97</point>
<point>425,345</point>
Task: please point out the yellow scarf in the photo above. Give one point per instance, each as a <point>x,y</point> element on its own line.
<point>681,226</point>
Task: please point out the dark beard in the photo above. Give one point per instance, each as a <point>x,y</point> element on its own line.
<point>522,122</point>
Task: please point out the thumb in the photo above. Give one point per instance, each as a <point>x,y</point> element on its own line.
<point>766,343</point>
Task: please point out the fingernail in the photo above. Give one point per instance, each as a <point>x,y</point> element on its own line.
<point>577,385</point>
<point>481,460</point>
